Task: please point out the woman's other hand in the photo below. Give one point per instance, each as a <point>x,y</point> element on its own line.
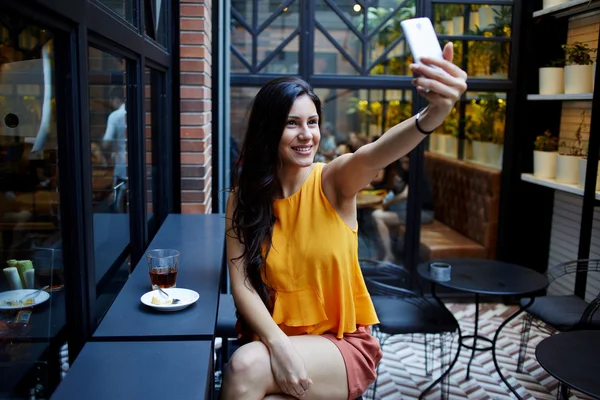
<point>441,86</point>
<point>289,369</point>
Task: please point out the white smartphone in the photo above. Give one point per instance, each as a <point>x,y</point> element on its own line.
<point>421,38</point>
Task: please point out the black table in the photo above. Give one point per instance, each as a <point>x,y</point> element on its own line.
<point>487,277</point>
<point>573,358</point>
<point>111,238</point>
<point>200,239</point>
<point>139,370</point>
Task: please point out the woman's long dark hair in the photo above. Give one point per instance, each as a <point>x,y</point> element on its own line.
<point>255,181</point>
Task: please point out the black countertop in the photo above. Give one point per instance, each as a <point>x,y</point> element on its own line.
<point>139,370</point>
<point>200,238</point>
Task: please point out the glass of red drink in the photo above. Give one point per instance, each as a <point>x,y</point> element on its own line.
<point>163,265</point>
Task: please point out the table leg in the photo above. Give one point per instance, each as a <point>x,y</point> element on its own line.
<point>475,334</point>
<point>447,372</point>
<point>513,316</point>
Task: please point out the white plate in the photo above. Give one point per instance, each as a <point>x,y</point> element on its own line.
<point>186,297</point>
<point>15,295</point>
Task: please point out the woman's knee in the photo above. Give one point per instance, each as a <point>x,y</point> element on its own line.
<point>249,361</point>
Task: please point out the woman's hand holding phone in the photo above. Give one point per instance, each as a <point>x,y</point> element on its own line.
<point>442,83</point>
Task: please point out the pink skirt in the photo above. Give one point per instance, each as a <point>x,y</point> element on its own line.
<point>361,353</point>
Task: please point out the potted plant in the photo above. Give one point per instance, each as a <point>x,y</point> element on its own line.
<point>544,155</point>
<point>569,153</point>
<point>450,125</point>
<point>579,68</point>
<point>486,16</point>
<point>552,78</point>
<point>492,127</point>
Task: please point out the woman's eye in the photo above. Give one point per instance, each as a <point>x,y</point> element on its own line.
<point>291,123</point>
<point>313,122</point>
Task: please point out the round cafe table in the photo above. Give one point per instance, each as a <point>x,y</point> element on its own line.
<point>573,358</point>
<point>368,200</point>
<point>487,277</point>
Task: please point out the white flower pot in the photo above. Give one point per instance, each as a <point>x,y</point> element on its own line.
<point>567,169</point>
<point>473,20</point>
<point>578,79</point>
<point>441,144</point>
<point>468,150</point>
<point>434,142</point>
<point>479,155</point>
<point>459,25</point>
<point>448,27</point>
<point>451,146</point>
<point>552,80</point>
<point>552,3</point>
<point>493,154</point>
<point>582,171</point>
<point>544,164</point>
<point>486,16</point>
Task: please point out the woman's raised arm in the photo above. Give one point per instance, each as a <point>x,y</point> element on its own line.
<point>348,174</point>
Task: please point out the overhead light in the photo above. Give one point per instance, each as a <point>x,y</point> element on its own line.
<point>357,8</point>
<point>285,9</point>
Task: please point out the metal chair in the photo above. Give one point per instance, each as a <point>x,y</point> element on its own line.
<point>403,310</point>
<point>560,313</point>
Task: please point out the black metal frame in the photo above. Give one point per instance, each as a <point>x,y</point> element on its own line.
<point>77,25</point>
<point>307,29</point>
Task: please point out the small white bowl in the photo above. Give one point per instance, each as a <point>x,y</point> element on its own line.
<point>186,297</point>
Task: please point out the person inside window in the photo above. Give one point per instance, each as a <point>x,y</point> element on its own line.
<point>114,143</point>
<point>393,211</point>
<point>304,311</point>
<point>328,146</point>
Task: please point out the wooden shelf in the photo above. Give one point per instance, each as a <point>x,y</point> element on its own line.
<point>560,97</point>
<point>569,8</point>
<point>551,183</point>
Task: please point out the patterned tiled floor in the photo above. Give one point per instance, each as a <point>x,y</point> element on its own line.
<point>402,371</point>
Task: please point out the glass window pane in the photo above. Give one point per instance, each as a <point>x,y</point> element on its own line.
<point>244,8</point>
<point>473,19</point>
<point>488,59</point>
<point>241,40</point>
<point>110,192</point>
<point>155,23</point>
<point>483,128</point>
<point>123,8</point>
<point>329,60</point>
<point>278,31</point>
<point>31,245</point>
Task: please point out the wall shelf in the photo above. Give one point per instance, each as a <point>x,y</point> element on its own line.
<point>569,8</point>
<point>551,183</point>
<point>560,97</point>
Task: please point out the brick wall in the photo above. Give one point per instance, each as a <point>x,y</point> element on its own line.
<point>195,91</point>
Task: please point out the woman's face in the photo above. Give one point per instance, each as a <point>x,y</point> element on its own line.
<point>300,137</point>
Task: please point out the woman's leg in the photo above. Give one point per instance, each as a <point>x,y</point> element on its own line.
<point>249,374</point>
<point>383,221</point>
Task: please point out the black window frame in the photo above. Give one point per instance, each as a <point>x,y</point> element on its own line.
<point>308,27</point>
<point>77,25</point>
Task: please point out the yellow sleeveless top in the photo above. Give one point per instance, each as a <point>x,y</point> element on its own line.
<point>313,266</point>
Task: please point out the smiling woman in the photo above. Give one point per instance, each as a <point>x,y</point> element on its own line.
<point>306,310</point>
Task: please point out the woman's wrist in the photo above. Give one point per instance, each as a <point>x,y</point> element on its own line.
<point>276,340</point>
<point>429,119</point>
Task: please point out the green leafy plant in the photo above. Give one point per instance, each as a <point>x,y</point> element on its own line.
<point>558,63</point>
<point>546,142</point>
<point>578,53</point>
